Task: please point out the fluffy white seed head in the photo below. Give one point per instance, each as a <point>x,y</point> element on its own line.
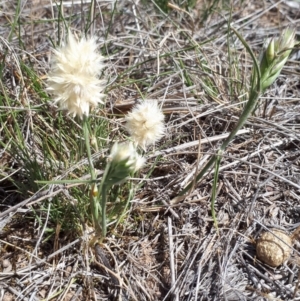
<point>73,78</point>
<point>121,152</point>
<point>139,162</point>
<point>125,156</point>
<point>145,123</point>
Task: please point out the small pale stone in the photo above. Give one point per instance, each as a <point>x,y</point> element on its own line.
<point>7,297</point>
<point>68,271</point>
<point>69,296</point>
<point>6,265</point>
<point>271,250</point>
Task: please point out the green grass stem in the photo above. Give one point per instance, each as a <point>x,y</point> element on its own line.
<point>255,91</point>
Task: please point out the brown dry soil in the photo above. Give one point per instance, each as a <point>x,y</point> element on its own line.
<point>164,249</point>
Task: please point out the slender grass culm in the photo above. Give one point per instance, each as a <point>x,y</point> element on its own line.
<point>145,124</point>
<point>122,162</point>
<point>73,80</point>
<point>272,59</point>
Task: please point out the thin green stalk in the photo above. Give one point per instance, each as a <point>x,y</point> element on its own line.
<point>251,104</point>
<point>88,147</point>
<point>93,197</point>
<point>15,21</point>
<point>214,189</point>
<point>103,210</point>
<point>122,161</point>
<point>271,63</point>
<point>129,198</point>
<point>103,199</point>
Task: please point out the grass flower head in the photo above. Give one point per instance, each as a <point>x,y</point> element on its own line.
<point>125,154</point>
<point>145,123</point>
<point>73,77</point>
<point>123,160</point>
<point>275,55</point>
